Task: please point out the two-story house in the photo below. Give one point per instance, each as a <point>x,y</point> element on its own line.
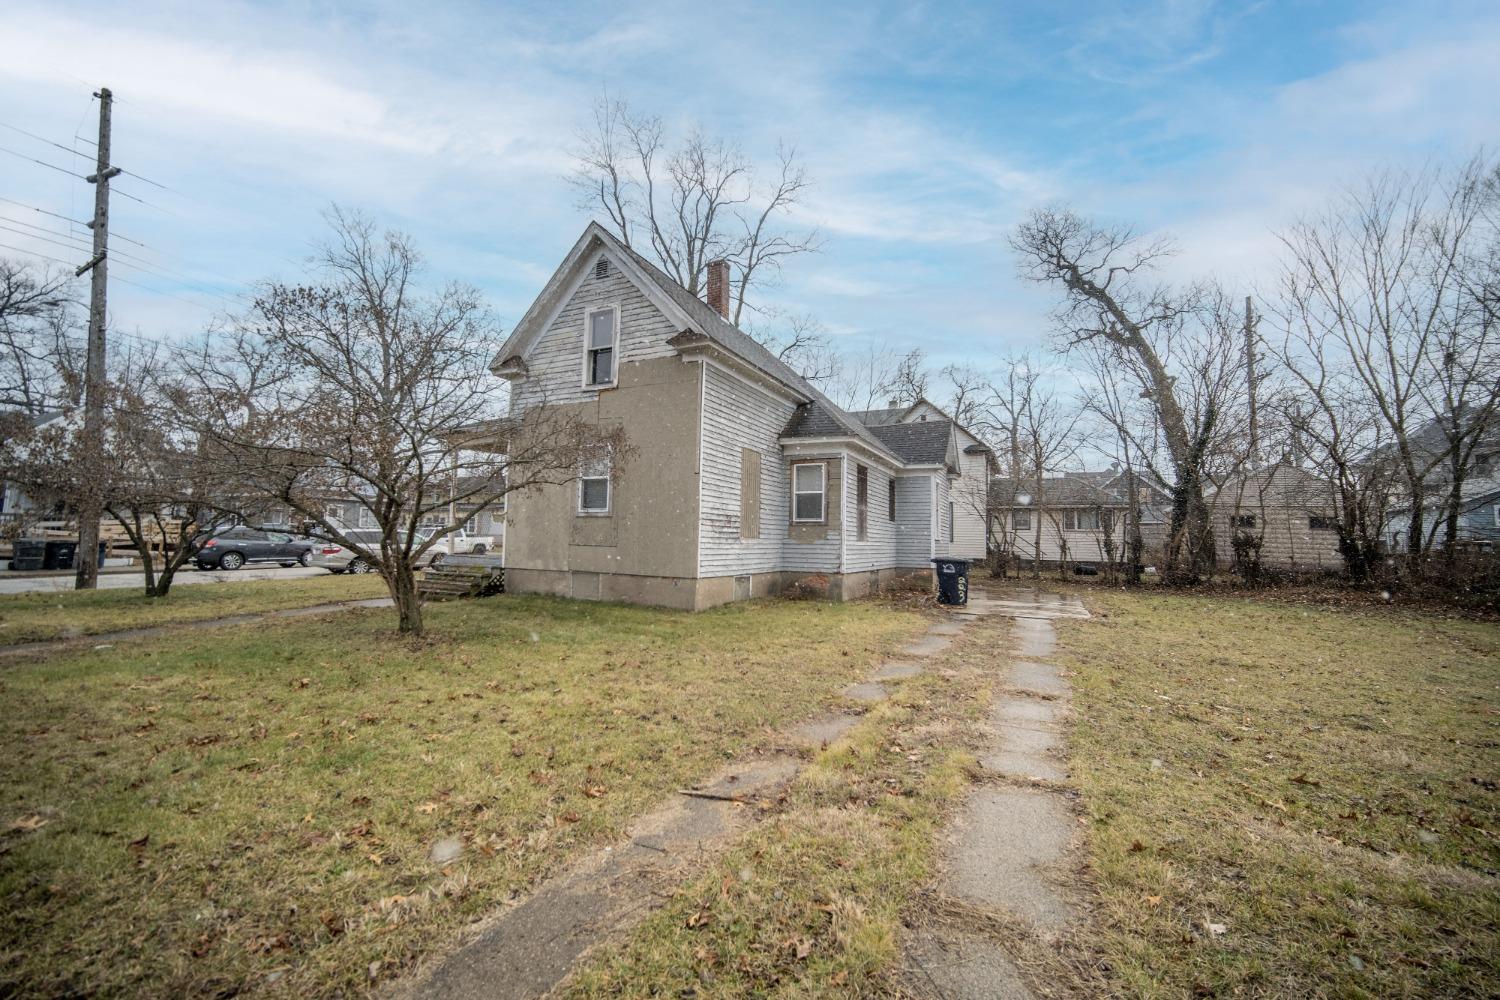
<point>741,478</point>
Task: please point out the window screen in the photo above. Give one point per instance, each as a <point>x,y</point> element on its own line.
<point>594,495</point>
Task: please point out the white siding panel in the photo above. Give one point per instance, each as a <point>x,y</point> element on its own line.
<point>968,495</point>
<point>556,360</point>
<point>736,415</point>
<point>914,521</point>
<point>878,551</point>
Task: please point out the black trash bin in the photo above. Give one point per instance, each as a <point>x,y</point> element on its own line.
<point>953,580</point>
<point>59,555</point>
<point>28,554</point>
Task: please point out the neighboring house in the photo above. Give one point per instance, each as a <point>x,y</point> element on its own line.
<point>1478,519</point>
<point>1077,517</point>
<point>354,514</point>
<point>15,505</point>
<point>1289,509</point>
<point>976,463</point>
<point>742,477</point>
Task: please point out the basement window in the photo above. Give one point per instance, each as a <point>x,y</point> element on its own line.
<point>594,488</point>
<point>601,337</point>
<point>809,486</point>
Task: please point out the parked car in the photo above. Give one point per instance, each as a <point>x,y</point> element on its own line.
<point>338,559</point>
<point>234,548</point>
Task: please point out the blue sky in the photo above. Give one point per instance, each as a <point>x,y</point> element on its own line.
<point>930,129</point>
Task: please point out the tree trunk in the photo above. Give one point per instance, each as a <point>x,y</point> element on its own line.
<point>402,583</point>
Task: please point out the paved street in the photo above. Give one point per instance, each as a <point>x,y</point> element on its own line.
<point>15,584</point>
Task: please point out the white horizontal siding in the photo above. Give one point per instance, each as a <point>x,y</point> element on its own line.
<point>914,521</point>
<point>555,361</point>
<point>736,415</point>
<point>968,494</point>
<point>878,551</point>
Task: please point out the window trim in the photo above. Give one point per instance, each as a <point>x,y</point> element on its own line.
<point>821,492</point>
<point>589,313</point>
<point>861,502</point>
<point>609,490</point>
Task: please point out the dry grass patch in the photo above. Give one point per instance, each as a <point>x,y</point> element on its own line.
<point>254,809</point>
<point>1286,800</point>
<point>64,614</point>
<point>811,903</point>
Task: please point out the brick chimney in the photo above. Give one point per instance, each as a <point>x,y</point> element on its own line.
<point>718,287</point>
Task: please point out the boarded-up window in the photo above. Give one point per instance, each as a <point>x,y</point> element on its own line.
<point>749,493</point>
<point>862,501</point>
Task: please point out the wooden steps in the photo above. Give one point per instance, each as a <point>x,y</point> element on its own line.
<point>462,576</point>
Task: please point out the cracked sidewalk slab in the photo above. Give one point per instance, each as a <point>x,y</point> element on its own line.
<point>959,966</point>
<point>1007,843</point>
<point>526,950</point>
<point>1042,678</point>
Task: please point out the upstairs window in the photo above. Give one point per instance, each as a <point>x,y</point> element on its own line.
<point>808,489</point>
<point>601,330</point>
<point>594,488</point>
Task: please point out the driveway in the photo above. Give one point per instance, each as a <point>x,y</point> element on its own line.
<point>15,584</point>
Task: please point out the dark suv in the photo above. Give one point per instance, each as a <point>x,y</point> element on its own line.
<point>233,548</point>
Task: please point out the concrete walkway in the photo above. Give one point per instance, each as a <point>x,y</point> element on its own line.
<point>528,949</point>
<point>1013,835</point>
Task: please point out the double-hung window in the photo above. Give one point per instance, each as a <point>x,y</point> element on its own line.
<point>1080,520</point>
<point>594,488</point>
<point>1020,520</point>
<point>601,335</point>
<point>809,486</point>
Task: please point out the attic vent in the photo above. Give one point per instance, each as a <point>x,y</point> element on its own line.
<point>601,267</point>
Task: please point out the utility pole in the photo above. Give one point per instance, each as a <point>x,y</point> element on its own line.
<point>1250,381</point>
<point>91,505</point>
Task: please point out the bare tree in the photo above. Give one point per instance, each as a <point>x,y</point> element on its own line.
<point>40,350</point>
<point>877,376</point>
<point>1037,427</point>
<point>692,201</point>
<point>1181,347</point>
<point>798,340</point>
<point>1386,301</point>
<point>369,386</point>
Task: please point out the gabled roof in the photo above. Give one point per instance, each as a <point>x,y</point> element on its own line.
<point>874,418</point>
<point>1056,491</point>
<point>696,317</point>
<point>927,443</point>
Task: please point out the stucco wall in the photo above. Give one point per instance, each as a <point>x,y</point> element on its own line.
<point>652,527</point>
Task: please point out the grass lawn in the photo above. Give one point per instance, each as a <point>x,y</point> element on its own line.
<point>811,902</point>
<point>1288,801</point>
<point>255,808</point>
<point>63,614</point>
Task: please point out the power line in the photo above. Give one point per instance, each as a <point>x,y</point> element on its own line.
<point>76,222</point>
<point>44,163</point>
<point>38,138</point>
<point>166,272</point>
<point>69,149</point>
<point>35,253</point>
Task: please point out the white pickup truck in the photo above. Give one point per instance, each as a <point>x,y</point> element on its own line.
<point>461,542</point>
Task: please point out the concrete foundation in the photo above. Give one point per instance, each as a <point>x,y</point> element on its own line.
<point>698,594</point>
